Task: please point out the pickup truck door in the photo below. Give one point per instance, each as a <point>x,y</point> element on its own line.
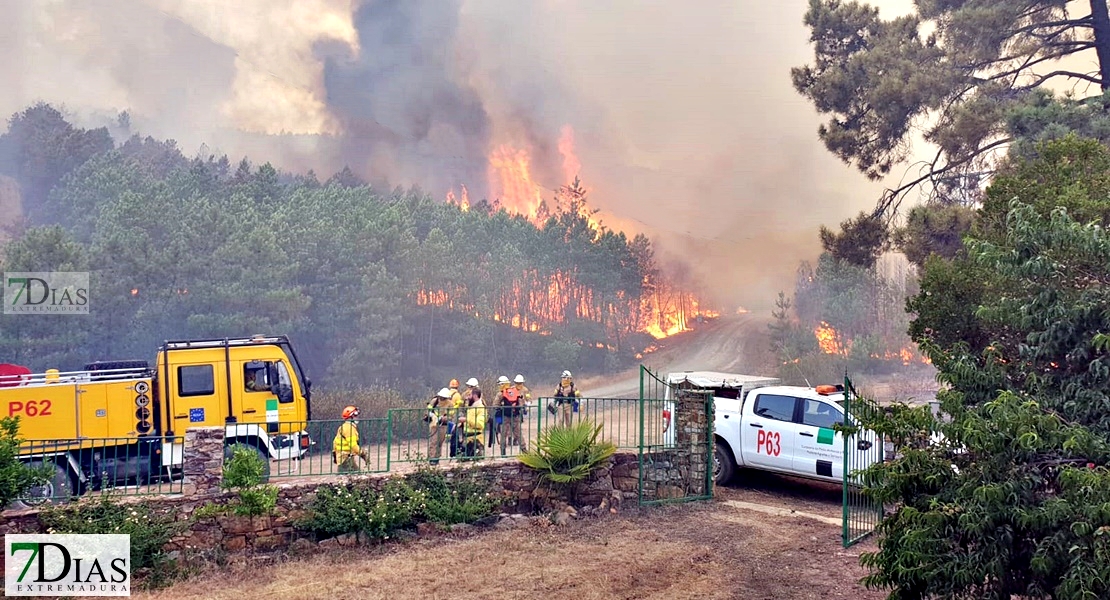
<point>768,432</point>
<point>819,450</point>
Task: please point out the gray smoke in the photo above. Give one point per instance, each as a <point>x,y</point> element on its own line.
<point>685,121</point>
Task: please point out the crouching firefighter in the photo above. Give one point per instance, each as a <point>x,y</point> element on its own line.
<point>345,451</point>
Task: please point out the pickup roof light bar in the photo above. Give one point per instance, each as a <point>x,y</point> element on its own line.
<point>825,390</point>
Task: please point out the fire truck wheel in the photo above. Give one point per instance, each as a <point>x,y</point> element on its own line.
<point>229,451</point>
<point>723,465</point>
<point>56,490</point>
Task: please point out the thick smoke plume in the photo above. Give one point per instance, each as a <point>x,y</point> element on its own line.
<point>682,116</point>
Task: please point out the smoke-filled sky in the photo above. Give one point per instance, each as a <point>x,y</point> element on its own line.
<point>685,122</point>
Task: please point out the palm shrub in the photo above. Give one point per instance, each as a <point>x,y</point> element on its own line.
<point>567,455</point>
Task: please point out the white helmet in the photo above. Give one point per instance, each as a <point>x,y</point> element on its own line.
<point>502,380</point>
<point>445,393</point>
<point>566,375</point>
<point>519,379</point>
<point>472,382</point>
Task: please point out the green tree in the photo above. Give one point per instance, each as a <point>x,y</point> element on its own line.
<point>957,68</point>
<point>1012,501</point>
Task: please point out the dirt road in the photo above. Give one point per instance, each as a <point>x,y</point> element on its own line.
<point>731,344</point>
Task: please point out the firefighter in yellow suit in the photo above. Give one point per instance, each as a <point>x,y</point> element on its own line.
<point>345,451</point>
<point>473,420</point>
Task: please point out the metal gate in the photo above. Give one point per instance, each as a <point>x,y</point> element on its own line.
<point>676,442</point>
<point>862,448</point>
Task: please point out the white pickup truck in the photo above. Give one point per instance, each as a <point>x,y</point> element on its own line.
<point>761,425</point>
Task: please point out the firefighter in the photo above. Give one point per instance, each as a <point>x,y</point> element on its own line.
<point>345,451</point>
<point>472,420</point>
<point>566,398</point>
<point>494,428</point>
<point>456,403</point>
<point>512,401</point>
<point>440,412</point>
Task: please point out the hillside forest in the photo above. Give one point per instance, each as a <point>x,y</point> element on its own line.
<point>376,286</point>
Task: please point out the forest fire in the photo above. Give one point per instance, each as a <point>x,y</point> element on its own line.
<point>535,301</point>
<point>534,305</point>
<point>463,199</point>
<point>828,339</point>
<point>831,342</point>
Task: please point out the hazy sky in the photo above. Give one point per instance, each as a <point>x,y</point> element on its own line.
<point>685,121</point>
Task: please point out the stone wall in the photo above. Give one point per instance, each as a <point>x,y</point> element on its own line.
<point>678,472</point>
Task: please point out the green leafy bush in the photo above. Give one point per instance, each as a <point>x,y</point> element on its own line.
<point>566,456</point>
<point>150,531</point>
<point>361,510</point>
<point>426,495</point>
<point>15,477</point>
<point>244,473</point>
<point>464,499</point>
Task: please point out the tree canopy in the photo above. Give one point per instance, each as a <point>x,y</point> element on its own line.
<point>1013,501</point>
<point>967,74</point>
<point>375,286</point>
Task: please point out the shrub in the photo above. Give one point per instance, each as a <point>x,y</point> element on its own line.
<point>15,477</point>
<point>426,495</point>
<point>361,510</point>
<point>464,499</point>
<point>244,473</point>
<point>565,456</point>
<point>150,531</point>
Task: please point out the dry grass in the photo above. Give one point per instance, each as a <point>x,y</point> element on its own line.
<point>711,550</point>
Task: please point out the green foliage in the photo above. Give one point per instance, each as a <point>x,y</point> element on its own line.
<point>860,242</point>
<point>150,531</point>
<point>426,495</point>
<point>933,229</point>
<point>15,477</point>
<point>962,70</point>
<point>361,510</point>
<point>1005,506</point>
<point>567,455</point>
<point>789,340</point>
<point>464,498</point>
<point>1013,499</point>
<point>245,473</point>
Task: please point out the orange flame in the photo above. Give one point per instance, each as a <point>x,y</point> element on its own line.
<point>832,342</point>
<point>828,339</point>
<point>534,301</point>
<point>510,180</point>
<point>463,199</point>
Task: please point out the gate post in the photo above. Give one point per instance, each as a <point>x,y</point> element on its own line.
<point>692,434</point>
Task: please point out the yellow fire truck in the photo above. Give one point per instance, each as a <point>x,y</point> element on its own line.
<point>123,423</point>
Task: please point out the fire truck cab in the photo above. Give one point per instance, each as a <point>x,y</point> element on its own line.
<point>123,423</point>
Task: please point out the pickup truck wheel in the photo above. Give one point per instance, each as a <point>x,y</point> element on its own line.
<point>229,451</point>
<point>56,490</point>
<point>723,465</point>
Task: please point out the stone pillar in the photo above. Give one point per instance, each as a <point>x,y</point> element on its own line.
<point>203,461</point>
<point>692,419</point>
